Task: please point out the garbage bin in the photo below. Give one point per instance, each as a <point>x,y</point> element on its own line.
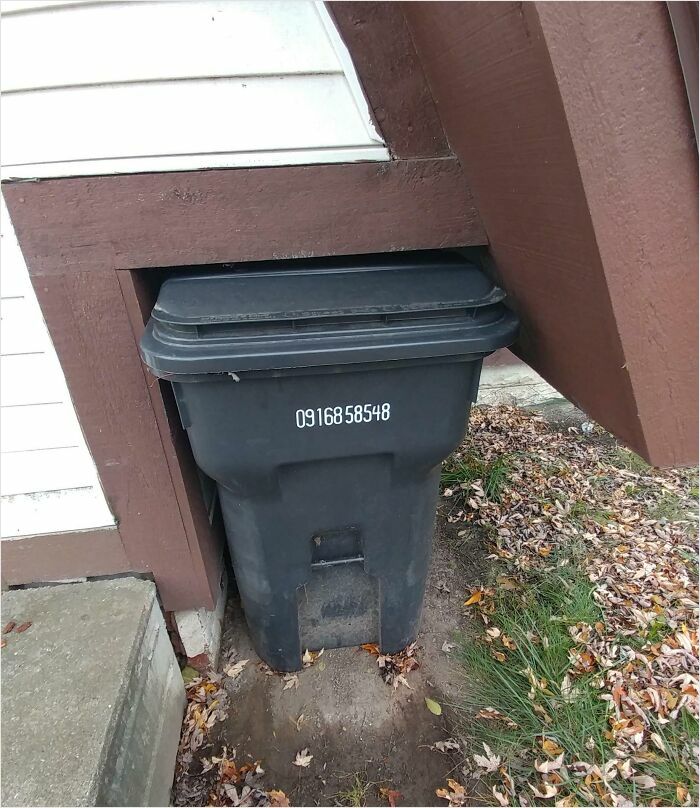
<point>322,400</point>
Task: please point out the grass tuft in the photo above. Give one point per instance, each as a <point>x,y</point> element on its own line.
<point>626,459</point>
<point>356,793</point>
<point>527,687</point>
<point>468,469</point>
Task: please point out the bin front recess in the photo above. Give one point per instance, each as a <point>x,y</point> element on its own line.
<point>322,401</point>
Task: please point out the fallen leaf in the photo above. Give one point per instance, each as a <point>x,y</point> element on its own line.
<point>475,598</point>
<point>657,741</point>
<point>508,642</point>
<point>23,627</point>
<point>498,655</point>
<point>450,745</point>
<point>550,765</point>
<point>371,648</point>
<point>278,798</point>
<point>9,627</point>
<point>548,791</point>
<point>543,713</point>
<point>310,657</point>
<point>235,670</point>
<point>491,762</point>
<point>290,680</point>
<point>447,647</point>
<point>456,795</point>
<point>303,759</point>
<point>500,797</point>
<point>3,643</point>
<point>433,706</point>
<point>189,674</point>
<point>681,793</point>
<point>490,714</point>
<point>390,795</point>
<point>551,748</point>
<point>644,781</point>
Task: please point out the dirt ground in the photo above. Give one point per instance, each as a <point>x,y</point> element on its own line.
<point>363,734</point>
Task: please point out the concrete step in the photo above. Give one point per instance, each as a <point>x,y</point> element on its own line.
<point>92,696</point>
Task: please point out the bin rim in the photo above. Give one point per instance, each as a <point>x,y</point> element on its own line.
<point>270,319</point>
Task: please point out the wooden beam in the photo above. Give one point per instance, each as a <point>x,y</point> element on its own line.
<point>571,123</point>
<point>58,556</point>
<point>385,58</point>
<point>139,221</point>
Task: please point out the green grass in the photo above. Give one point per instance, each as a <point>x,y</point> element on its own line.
<point>625,459</point>
<point>582,509</point>
<point>544,610</point>
<point>356,793</point>
<point>468,469</point>
<point>669,506</point>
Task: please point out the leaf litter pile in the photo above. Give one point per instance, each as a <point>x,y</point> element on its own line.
<point>583,679</point>
<point>218,780</point>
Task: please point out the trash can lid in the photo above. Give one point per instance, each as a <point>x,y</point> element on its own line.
<point>338,311</point>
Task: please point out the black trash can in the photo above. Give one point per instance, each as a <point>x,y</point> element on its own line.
<point>322,400</point>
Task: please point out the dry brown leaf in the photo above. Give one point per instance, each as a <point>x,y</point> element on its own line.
<point>547,766</point>
<point>303,758</point>
<point>475,597</point>
<point>644,781</point>
<point>491,762</point>
<point>235,670</point>
<point>390,795</point>
<point>278,799</point>
<point>551,747</point>
<point>290,680</point>
<point>491,714</point>
<point>455,793</point>
<point>546,792</point>
<point>542,713</point>
<point>501,798</point>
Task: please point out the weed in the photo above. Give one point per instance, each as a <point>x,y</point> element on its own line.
<point>536,619</point>
<point>527,687</point>
<point>581,510</point>
<point>669,506</point>
<point>468,469</point>
<point>625,459</point>
<point>356,793</point>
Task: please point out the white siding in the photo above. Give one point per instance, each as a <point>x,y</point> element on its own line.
<point>94,88</point>
<point>48,481</point>
<point>117,87</point>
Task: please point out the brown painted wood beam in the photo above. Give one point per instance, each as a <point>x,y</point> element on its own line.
<point>60,556</point>
<point>139,221</point>
<point>573,130</point>
<point>385,58</point>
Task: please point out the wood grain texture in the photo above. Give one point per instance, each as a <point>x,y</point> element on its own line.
<point>384,56</point>
<point>638,166</point>
<point>56,557</point>
<point>87,319</point>
<point>578,160</point>
<point>174,219</point>
<point>205,542</point>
